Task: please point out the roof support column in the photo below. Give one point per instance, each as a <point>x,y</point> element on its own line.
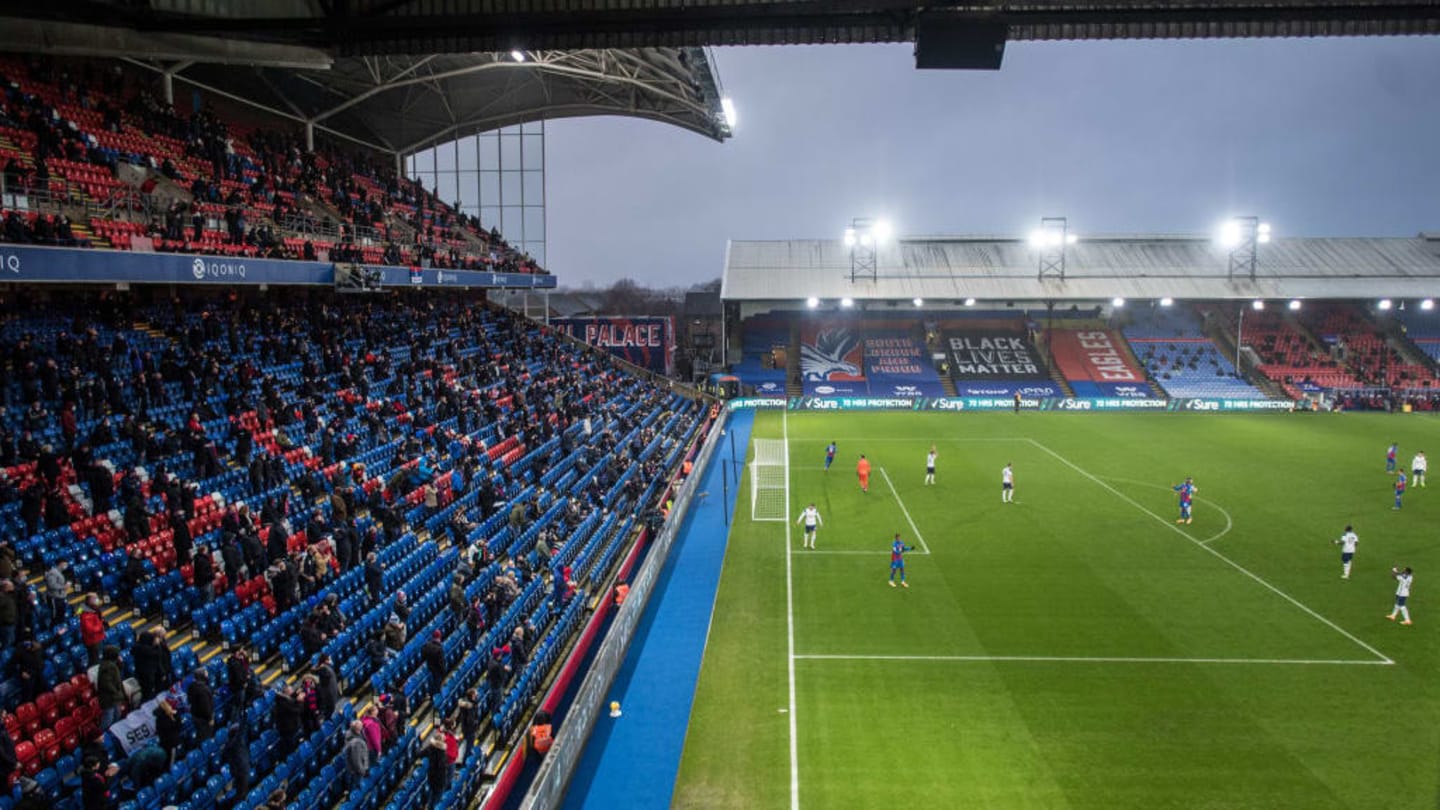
<point>167,82</point>
<point>309,136</point>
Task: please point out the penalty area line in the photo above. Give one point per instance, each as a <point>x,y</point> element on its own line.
<point>924,548</point>
<point>1098,659</point>
<point>1203,547</point>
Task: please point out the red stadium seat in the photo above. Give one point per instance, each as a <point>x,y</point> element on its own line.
<point>48,708</point>
<point>29,718</point>
<point>28,757</point>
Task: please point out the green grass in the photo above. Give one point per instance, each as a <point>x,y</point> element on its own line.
<point>1079,568</point>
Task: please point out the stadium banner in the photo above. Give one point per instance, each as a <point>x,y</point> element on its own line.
<point>895,365</point>
<point>645,341</point>
<point>769,388</point>
<point>1093,354</point>
<point>993,355</point>
<point>1027,389</point>
<point>832,360</point>
<point>31,264</point>
<point>1191,404</point>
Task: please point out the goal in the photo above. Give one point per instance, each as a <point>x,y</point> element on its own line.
<point>770,480</point>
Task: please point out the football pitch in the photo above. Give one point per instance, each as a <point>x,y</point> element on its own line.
<point>1076,648</point>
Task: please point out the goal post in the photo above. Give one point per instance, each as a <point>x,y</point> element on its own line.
<point>769,480</point>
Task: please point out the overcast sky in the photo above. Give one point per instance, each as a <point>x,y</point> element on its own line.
<point>1319,137</point>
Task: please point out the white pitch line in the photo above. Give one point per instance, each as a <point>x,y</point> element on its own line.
<point>923,548</point>
<point>1237,566</point>
<point>1229,524</point>
<point>1094,659</point>
<point>790,624</point>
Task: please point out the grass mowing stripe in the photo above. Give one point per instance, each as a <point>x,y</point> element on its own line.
<point>790,624</point>
<point>1237,566</point>
<point>925,549</point>
<point>1083,659</point>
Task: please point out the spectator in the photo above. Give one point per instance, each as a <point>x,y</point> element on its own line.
<point>327,687</point>
<point>95,778</point>
<point>433,654</point>
<point>92,628</point>
<point>286,715</point>
<point>374,576</point>
<point>237,756</point>
<point>202,705</point>
<point>203,572</point>
<point>145,765</point>
<point>373,733</point>
<point>29,664</point>
<point>438,772</point>
<point>357,755</point>
<point>109,688</point>
<point>57,589</point>
<point>9,614</point>
<point>169,730</point>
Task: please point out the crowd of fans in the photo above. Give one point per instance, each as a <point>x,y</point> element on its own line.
<point>254,183</point>
<point>290,450</point>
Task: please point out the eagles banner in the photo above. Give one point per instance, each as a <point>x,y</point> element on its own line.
<point>831,359</point>
<point>645,341</point>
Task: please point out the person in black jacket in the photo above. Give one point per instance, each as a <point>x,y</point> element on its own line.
<point>180,537</point>
<point>169,729</point>
<point>433,654</point>
<point>204,573</point>
<point>374,576</point>
<point>277,544</point>
<point>29,664</point>
<point>237,756</point>
<point>327,687</point>
<point>146,655</point>
<point>202,705</point>
<point>286,714</point>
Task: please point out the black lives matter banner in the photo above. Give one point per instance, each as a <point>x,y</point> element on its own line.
<point>993,355</point>
<point>643,341</point>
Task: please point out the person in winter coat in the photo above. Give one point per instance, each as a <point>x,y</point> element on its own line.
<point>92,628</point>
<point>204,573</point>
<point>357,755</point>
<point>327,687</point>
<point>286,714</point>
<point>237,756</point>
<point>29,662</point>
<point>433,654</point>
<point>438,773</point>
<point>373,733</point>
<point>202,705</point>
<point>109,687</point>
<point>169,729</point>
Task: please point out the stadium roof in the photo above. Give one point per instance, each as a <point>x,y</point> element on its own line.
<point>1099,268</point>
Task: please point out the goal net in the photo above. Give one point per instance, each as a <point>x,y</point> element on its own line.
<point>769,480</point>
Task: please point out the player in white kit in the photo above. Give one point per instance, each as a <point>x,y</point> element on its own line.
<point>1403,578</point>
<point>1007,484</point>
<point>1418,465</point>
<point>1347,542</point>
<point>930,466</point>
<point>811,518</point>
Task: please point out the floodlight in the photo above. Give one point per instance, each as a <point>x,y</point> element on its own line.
<point>1384,303</point>
<point>1230,234</point>
<point>1166,301</point>
<point>1262,233</point>
<point>727,108</point>
<point>1428,304</point>
<point>881,230</point>
<point>969,302</point>
<point>1294,304</point>
<point>1117,301</point>
<point>1071,239</point>
<point>1037,239</point>
<point>1257,305</point>
<point>847,302</point>
<point>812,302</point>
<point>849,237</point>
<point>918,301</point>
<point>518,55</point>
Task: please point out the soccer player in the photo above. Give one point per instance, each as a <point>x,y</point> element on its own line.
<point>811,518</point>
<point>1399,490</point>
<point>1418,465</point>
<point>862,469</point>
<point>897,560</point>
<point>1347,543</point>
<point>1007,484</point>
<point>1187,492</point>
<point>930,466</point>
<point>1403,579</point>
<point>829,455</point>
<point>1390,457</point>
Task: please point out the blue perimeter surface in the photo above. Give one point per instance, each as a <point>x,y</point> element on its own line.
<point>632,761</point>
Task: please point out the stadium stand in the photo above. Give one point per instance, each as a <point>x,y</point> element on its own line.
<point>1172,345</point>
<point>993,354</point>
<point>1286,354</point>
<point>1422,328</point>
<point>1360,345</point>
<point>382,505</point>
<point>765,342</point>
<point>69,133</point>
<point>1097,362</point>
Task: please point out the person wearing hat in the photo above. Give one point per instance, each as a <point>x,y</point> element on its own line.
<point>433,654</point>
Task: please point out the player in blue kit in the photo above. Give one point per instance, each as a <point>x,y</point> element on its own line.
<point>897,560</point>
<point>1399,490</point>
<point>1390,457</point>
<point>829,455</point>
<point>1187,492</point>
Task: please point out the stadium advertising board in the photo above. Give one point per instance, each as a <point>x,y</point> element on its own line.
<point>1103,389</point>
<point>1006,403</point>
<point>832,360</point>
<point>644,341</point>
<point>895,365</point>
<point>993,355</point>
<point>1028,389</point>
<point>25,263</point>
